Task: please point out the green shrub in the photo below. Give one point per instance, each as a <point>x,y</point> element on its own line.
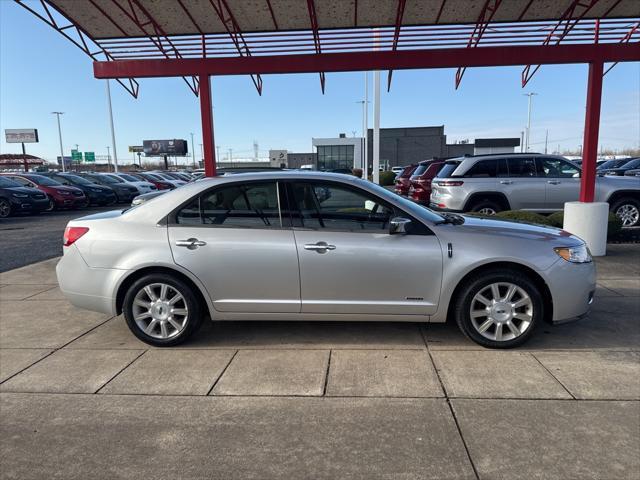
<point>387,178</point>
<point>524,217</point>
<point>613,228</point>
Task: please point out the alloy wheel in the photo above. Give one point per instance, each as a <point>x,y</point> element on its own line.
<point>51,205</point>
<point>5,208</point>
<point>501,311</point>
<point>487,211</point>
<point>160,311</point>
<point>628,214</point>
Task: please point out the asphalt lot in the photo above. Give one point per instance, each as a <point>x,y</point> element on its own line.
<point>28,239</point>
<point>81,397</point>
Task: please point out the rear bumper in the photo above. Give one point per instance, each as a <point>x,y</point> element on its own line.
<point>434,206</point>
<point>85,287</point>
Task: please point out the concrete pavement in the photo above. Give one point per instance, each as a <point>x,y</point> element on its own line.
<point>81,397</point>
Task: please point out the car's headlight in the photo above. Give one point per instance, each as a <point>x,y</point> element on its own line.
<point>20,195</point>
<point>63,192</point>
<point>96,190</point>
<point>579,254</point>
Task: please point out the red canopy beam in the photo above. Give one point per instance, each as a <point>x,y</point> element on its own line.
<point>567,22</point>
<point>374,60</point>
<point>234,31</point>
<point>316,35</point>
<point>485,17</point>
<point>396,35</point>
<point>625,39</point>
<point>591,130</point>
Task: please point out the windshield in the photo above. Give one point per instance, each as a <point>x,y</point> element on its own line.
<point>78,180</point>
<point>42,180</point>
<point>8,183</point>
<point>152,176</point>
<point>447,169</point>
<point>613,163</point>
<point>103,178</point>
<point>129,178</point>
<point>115,178</point>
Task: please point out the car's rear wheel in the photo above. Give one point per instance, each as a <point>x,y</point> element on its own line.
<point>628,211</point>
<point>486,207</point>
<point>5,208</point>
<point>499,309</point>
<point>161,310</point>
<point>52,205</point>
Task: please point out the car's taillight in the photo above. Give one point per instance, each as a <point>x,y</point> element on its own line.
<point>71,234</point>
<point>449,183</point>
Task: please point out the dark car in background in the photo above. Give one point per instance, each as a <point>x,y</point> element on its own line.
<point>97,194</point>
<point>632,164</point>
<point>123,191</point>
<point>420,189</point>
<point>14,198</point>
<point>403,181</point>
<point>58,195</point>
<point>609,164</point>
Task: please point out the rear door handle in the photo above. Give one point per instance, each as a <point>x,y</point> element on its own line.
<point>506,182</point>
<point>553,182</point>
<point>320,247</point>
<point>190,243</point>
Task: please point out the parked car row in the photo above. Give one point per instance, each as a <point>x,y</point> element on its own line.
<point>47,191</point>
<point>415,180</point>
<point>627,167</point>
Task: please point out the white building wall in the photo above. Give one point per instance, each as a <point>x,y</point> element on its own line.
<point>491,150</point>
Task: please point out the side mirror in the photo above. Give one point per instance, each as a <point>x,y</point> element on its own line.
<point>399,225</point>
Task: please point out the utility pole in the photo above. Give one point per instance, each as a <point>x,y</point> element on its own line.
<point>230,155</point>
<point>57,114</point>
<point>218,157</point>
<point>528,136</point>
<point>376,119</point>
<point>113,132</point>
<point>193,152</point>
<point>546,140</point>
<point>521,141</point>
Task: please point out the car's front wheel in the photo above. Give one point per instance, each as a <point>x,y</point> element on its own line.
<point>628,211</point>
<point>162,310</point>
<point>5,208</point>
<point>51,206</point>
<point>499,309</point>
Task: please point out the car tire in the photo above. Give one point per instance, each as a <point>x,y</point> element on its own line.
<point>494,322</point>
<point>486,207</point>
<point>627,209</point>
<point>5,208</point>
<point>52,205</point>
<point>157,322</point>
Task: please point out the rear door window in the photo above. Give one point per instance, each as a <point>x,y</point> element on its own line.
<point>522,167</point>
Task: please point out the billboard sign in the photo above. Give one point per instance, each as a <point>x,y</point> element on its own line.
<point>136,148</point>
<point>21,135</point>
<point>278,158</point>
<point>161,148</point>
<point>89,157</point>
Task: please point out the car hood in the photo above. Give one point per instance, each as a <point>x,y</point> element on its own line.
<point>64,188</point>
<point>512,229</point>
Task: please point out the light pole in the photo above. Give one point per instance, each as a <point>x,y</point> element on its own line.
<point>527,138</point>
<point>113,132</point>
<point>193,152</point>
<point>365,126</point>
<point>57,114</point>
<point>108,159</point>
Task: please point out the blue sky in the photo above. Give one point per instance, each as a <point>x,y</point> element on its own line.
<point>41,71</point>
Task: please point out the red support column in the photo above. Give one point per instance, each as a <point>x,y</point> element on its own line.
<point>591,128</point>
<point>206,111</point>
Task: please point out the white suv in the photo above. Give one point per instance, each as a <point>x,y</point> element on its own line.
<point>535,182</point>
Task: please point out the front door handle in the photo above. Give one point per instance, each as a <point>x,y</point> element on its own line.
<point>190,243</point>
<point>553,182</point>
<point>506,182</point>
<point>320,247</point>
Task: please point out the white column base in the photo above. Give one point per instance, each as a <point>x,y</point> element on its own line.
<point>589,221</point>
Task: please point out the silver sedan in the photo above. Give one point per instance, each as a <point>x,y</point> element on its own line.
<point>318,246</point>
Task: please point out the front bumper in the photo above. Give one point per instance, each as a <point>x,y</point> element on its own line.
<point>572,288</point>
<point>24,205</point>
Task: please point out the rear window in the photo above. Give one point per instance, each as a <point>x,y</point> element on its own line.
<point>420,170</point>
<point>407,171</point>
<point>447,169</point>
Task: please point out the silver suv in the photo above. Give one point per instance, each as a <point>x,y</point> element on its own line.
<point>540,183</point>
